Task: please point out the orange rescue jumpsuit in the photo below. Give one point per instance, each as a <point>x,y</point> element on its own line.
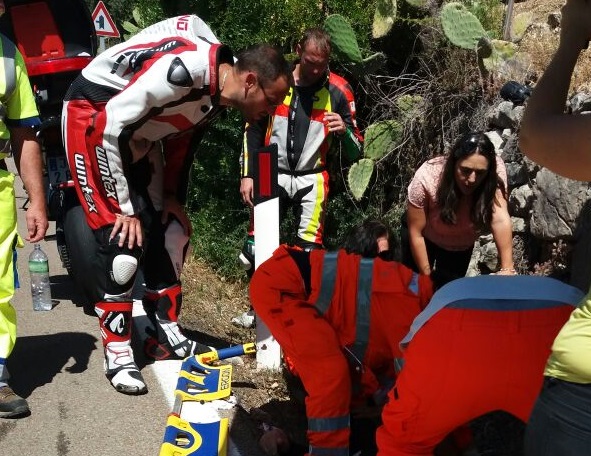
<point>479,346</point>
<point>342,334</point>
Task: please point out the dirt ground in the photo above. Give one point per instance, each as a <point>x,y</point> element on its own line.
<point>209,304</point>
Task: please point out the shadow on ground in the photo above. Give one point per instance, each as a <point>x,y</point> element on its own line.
<point>36,360</point>
<point>207,339</point>
<point>63,288</point>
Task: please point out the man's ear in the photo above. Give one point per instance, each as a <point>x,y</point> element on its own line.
<point>251,80</point>
<point>298,50</point>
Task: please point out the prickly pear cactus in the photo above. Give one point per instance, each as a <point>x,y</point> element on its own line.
<point>484,47</point>
<point>369,65</point>
<point>460,26</point>
<point>374,62</point>
<point>410,106</point>
<point>502,51</point>
<point>383,18</point>
<point>380,138</point>
<point>131,28</point>
<point>359,176</point>
<point>520,24</point>
<point>344,41</point>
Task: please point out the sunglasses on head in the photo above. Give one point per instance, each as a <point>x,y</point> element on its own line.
<point>472,142</point>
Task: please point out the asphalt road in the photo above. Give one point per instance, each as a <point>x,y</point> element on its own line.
<point>57,365</point>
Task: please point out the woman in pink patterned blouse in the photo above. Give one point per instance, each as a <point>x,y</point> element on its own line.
<point>451,200</point>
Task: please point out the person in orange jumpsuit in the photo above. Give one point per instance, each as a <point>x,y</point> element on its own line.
<point>479,346</point>
<point>339,318</point>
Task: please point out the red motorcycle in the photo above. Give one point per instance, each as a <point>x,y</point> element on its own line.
<point>57,39</point>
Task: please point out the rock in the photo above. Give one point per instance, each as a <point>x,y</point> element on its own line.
<point>511,152</point>
<point>495,138</point>
<point>554,20</point>
<point>516,174</point>
<point>501,115</point>
<point>521,201</point>
<point>489,256</point>
<point>518,225</point>
<point>557,205</point>
<point>580,103</point>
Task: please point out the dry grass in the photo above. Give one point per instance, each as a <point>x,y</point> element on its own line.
<point>210,302</point>
<point>540,42</point>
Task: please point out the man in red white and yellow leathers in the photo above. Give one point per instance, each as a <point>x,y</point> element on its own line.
<point>318,110</point>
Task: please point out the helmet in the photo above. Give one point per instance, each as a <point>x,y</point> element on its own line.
<point>515,92</point>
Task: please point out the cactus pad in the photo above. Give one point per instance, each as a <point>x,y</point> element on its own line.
<point>344,41</point>
<point>410,106</point>
<point>369,65</point>
<point>460,26</point>
<point>484,47</point>
<point>359,176</point>
<point>520,24</point>
<point>381,138</point>
<point>383,18</point>
<point>502,51</point>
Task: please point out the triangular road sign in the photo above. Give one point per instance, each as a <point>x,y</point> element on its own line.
<point>103,24</point>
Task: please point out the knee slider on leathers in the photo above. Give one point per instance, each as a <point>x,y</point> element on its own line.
<point>124,269</point>
<point>122,265</point>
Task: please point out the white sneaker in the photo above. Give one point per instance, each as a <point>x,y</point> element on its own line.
<point>246,257</point>
<point>244,262</point>
<point>245,320</point>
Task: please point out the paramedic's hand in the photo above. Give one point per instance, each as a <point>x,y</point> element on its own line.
<point>173,208</point>
<point>506,271</point>
<point>129,229</point>
<point>37,223</point>
<point>247,190</point>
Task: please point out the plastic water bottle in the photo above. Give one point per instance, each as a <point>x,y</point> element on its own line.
<point>40,286</point>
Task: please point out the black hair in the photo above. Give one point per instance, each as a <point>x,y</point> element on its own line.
<point>362,240</point>
<point>483,198</point>
<point>266,61</point>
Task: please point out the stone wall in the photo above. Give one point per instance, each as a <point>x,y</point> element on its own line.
<point>551,215</point>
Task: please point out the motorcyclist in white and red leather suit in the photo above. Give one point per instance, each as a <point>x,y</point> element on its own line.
<point>131,122</point>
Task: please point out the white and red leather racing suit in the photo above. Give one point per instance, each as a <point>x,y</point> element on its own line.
<point>156,86</point>
<point>130,124</point>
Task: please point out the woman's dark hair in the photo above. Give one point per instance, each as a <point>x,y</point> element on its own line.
<point>483,198</point>
<point>362,240</point>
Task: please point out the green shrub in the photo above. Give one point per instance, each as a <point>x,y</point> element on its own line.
<point>490,13</point>
<point>219,218</point>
